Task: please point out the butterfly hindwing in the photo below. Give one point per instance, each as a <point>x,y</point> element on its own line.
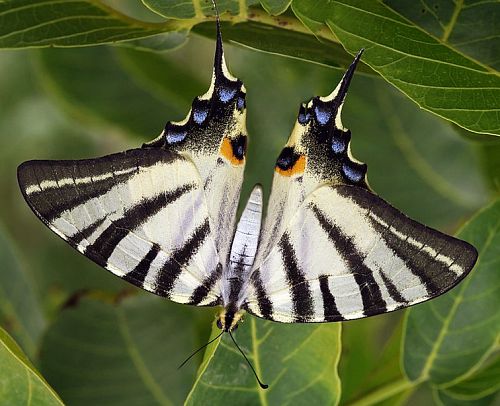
<point>331,249</point>
<point>161,217</point>
<point>348,254</point>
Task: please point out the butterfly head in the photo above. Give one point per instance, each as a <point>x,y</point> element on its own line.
<point>227,319</point>
<point>319,146</point>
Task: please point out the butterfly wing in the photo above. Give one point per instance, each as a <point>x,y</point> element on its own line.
<point>160,217</point>
<point>141,214</point>
<point>330,248</point>
<point>348,254</point>
<point>214,137</point>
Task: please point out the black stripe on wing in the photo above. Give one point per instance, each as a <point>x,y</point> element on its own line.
<point>299,286</point>
<point>202,291</point>
<point>133,217</point>
<point>415,250</point>
<point>263,302</point>
<point>331,312</point>
<point>373,302</point>
<point>52,187</point>
<point>170,271</point>
<point>139,273</point>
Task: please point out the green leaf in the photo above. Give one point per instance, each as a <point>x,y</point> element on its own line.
<point>121,353</point>
<point>196,8</point>
<point>451,22</point>
<point>19,305</point>
<point>163,78</point>
<point>275,7</point>
<point>311,16</point>
<point>20,382</point>
<point>32,23</point>
<point>443,398</point>
<point>105,93</point>
<point>279,41</point>
<point>448,338</point>
<point>438,78</point>
<point>438,181</point>
<point>298,362</point>
<point>481,387</point>
<point>366,365</point>
<point>158,43</point>
<point>490,153</point>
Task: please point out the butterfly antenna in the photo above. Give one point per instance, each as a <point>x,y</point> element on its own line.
<point>262,385</point>
<point>198,350</point>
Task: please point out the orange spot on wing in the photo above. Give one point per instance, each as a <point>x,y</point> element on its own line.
<point>297,169</point>
<point>226,150</point>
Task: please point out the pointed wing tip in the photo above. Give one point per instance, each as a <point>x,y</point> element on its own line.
<point>472,255</point>
<point>354,63</point>
<point>22,175</point>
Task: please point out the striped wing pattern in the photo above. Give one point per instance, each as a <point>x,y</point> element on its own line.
<point>348,254</point>
<point>141,214</point>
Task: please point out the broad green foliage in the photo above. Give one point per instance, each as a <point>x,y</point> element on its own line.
<point>451,21</point>
<point>447,339</point>
<point>20,382</point>
<point>436,61</point>
<point>435,76</point>
<point>124,350</point>
<point>19,304</point>
<point>480,388</point>
<point>299,363</point>
<point>97,340</point>
<point>103,84</point>
<point>296,45</point>
<point>31,23</point>
<point>196,8</point>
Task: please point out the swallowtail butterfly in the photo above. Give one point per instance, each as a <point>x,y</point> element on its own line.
<point>163,218</point>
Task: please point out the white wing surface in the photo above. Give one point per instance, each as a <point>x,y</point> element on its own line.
<point>348,254</point>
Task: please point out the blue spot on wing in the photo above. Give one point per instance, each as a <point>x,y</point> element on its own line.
<point>240,104</point>
<point>174,137</point>
<point>351,173</point>
<point>226,94</point>
<point>303,117</point>
<point>323,116</point>
<point>338,145</point>
<point>200,116</point>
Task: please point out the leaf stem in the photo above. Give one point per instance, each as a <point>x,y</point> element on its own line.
<point>251,14</point>
<point>385,392</point>
<point>453,20</point>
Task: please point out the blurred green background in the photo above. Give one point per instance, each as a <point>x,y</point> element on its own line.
<point>76,321</point>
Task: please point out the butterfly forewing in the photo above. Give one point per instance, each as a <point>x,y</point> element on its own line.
<point>140,214</point>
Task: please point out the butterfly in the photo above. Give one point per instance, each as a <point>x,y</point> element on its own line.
<point>163,217</point>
